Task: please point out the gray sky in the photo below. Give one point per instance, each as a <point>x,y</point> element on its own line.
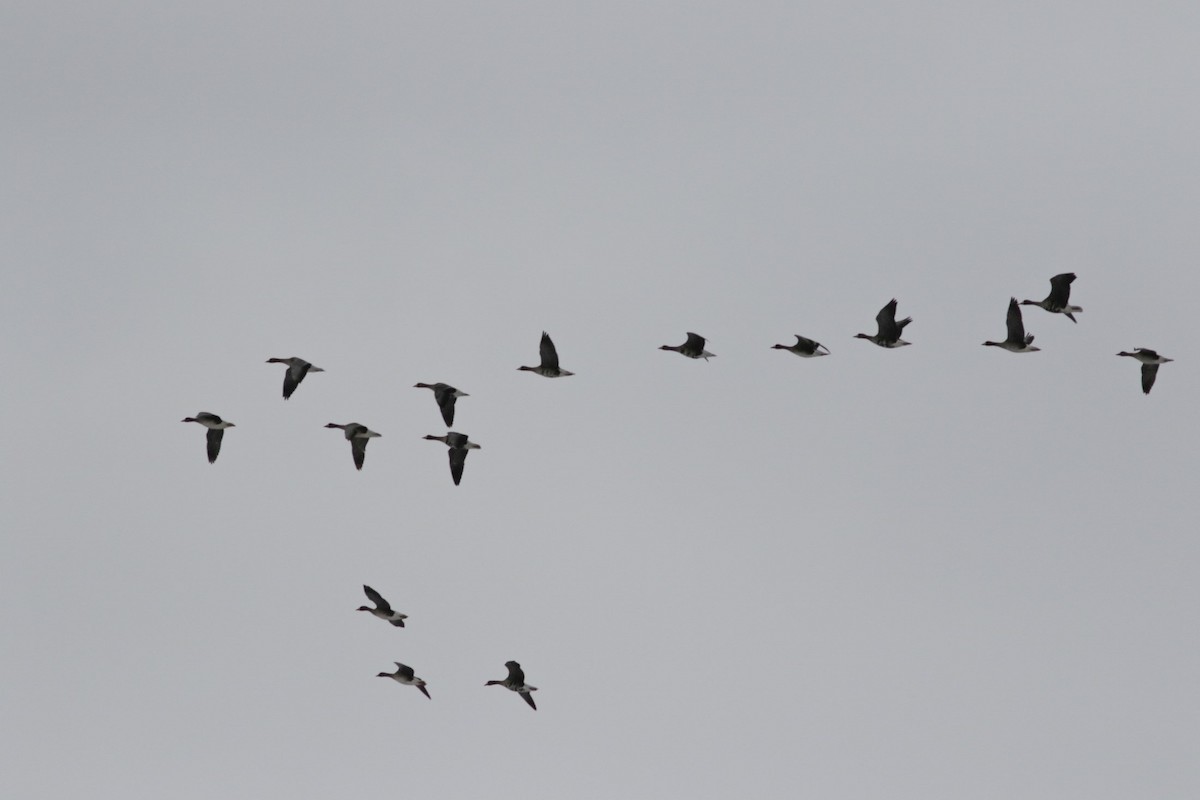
<point>938,572</point>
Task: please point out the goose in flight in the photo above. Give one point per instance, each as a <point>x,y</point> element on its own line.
<point>549,367</point>
<point>444,395</point>
<point>889,330</point>
<point>804,347</point>
<point>404,675</point>
<point>1057,302</point>
<point>1151,361</point>
<point>516,682</point>
<point>358,436</point>
<point>382,609</point>
<point>216,432</point>
<point>458,445</point>
<point>1018,341</point>
<point>297,368</point>
<point>692,348</point>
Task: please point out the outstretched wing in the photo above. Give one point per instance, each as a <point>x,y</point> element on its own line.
<point>424,691</point>
<point>458,459</point>
<point>1060,289</point>
<point>376,598</point>
<point>445,397</point>
<point>214,443</point>
<point>1016,326</point>
<point>886,320</point>
<point>695,342</point>
<point>404,671</point>
<point>1149,373</point>
<point>516,676</point>
<point>358,448</point>
<point>289,384</point>
<point>548,353</point>
<point>528,699</point>
<point>292,377</point>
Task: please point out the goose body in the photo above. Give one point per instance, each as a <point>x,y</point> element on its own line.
<point>444,395</point>
<point>1151,361</point>
<point>383,609</point>
<point>297,368</point>
<point>1018,341</point>
<point>889,331</point>
<point>458,445</point>
<point>549,354</point>
<point>1058,301</point>
<point>692,348</point>
<point>216,432</point>
<point>804,347</point>
<point>405,675</point>
<point>515,682</point>
<point>358,435</point>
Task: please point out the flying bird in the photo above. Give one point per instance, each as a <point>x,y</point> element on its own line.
<point>458,445</point>
<point>549,367</point>
<point>889,330</point>
<point>404,675</point>
<point>1018,341</point>
<point>297,368</point>
<point>444,395</point>
<point>805,348</point>
<point>216,431</point>
<point>516,682</point>
<point>1151,361</point>
<point>358,436</point>
<point>1057,302</point>
<point>382,609</point>
<point>692,348</point>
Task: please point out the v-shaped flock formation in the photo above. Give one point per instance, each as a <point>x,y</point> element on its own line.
<point>887,335</point>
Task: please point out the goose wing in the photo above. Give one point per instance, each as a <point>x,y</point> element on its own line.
<point>528,699</point>
<point>695,342</point>
<point>548,352</point>
<point>290,382</point>
<point>516,675</point>
<point>358,448</point>
<point>458,460</point>
<point>376,598</point>
<point>1060,289</point>
<point>294,374</point>
<point>1149,373</point>
<point>445,395</point>
<point>886,320</point>
<point>404,671</point>
<point>1016,326</point>
<point>215,435</point>
<point>809,345</point>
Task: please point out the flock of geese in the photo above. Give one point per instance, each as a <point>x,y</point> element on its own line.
<point>404,674</point>
<point>887,335</point>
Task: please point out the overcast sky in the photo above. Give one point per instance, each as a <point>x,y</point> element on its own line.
<point>942,571</point>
